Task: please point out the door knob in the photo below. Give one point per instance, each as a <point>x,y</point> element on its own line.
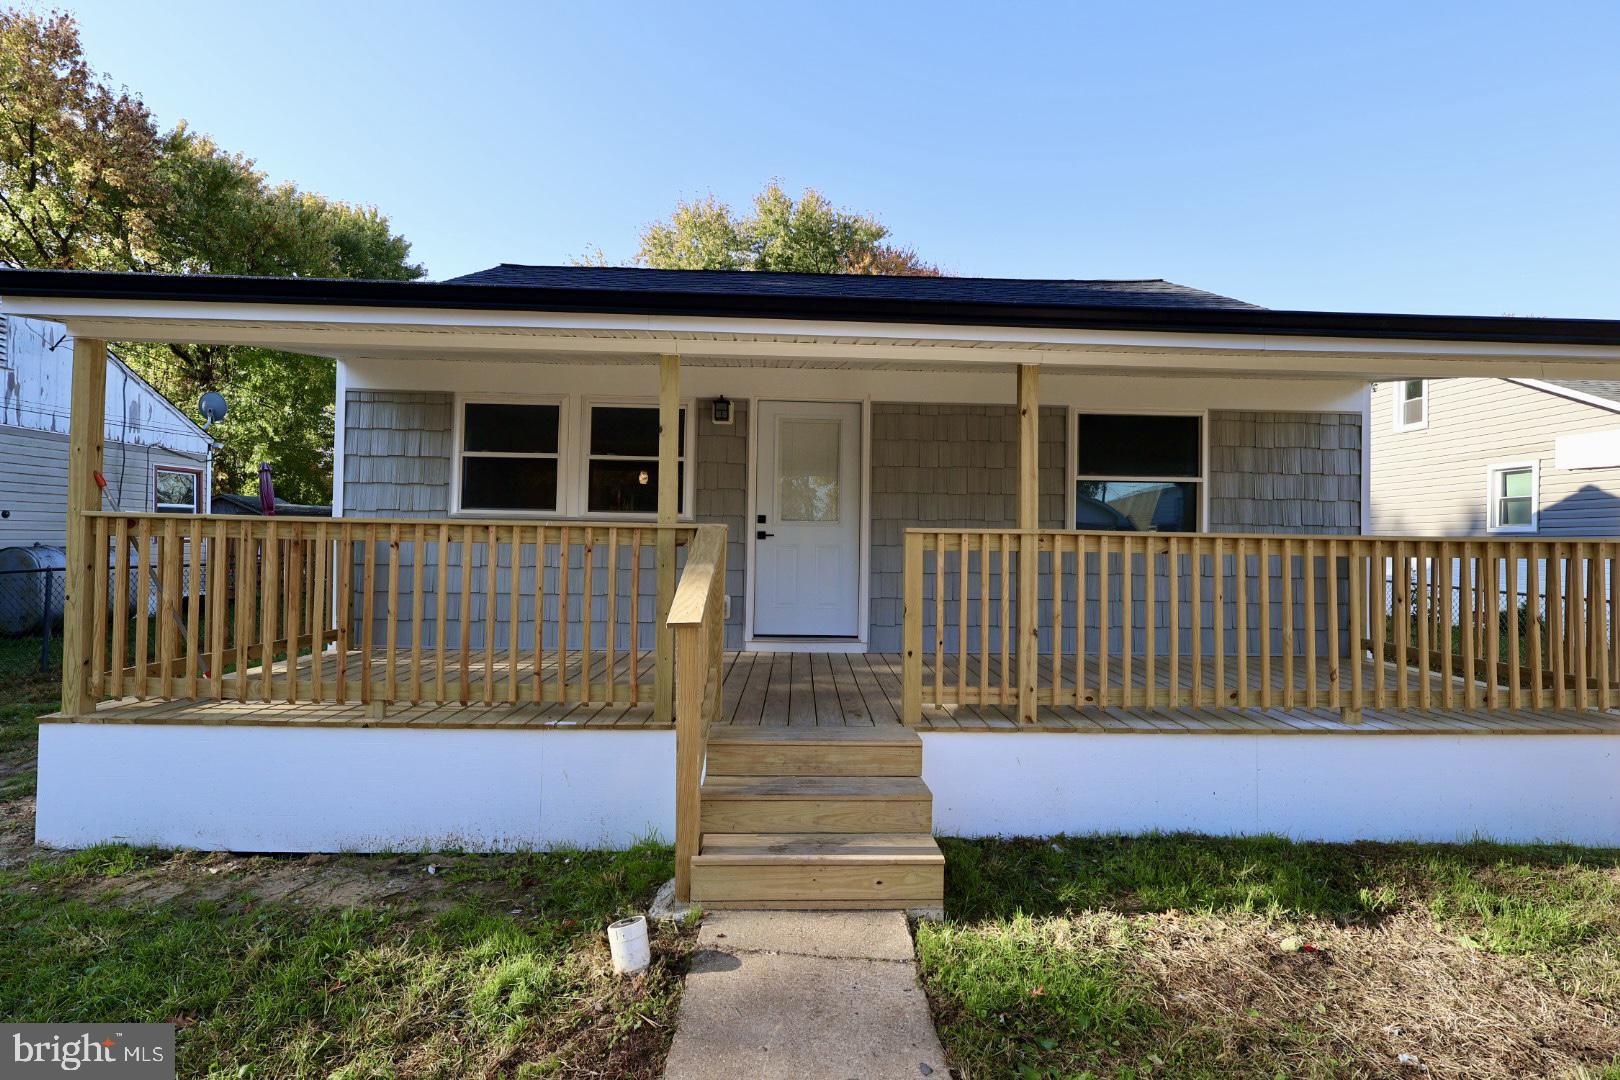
<point>763,535</point>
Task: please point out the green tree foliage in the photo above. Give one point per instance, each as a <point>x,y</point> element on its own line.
<point>87,181</point>
<point>808,235</point>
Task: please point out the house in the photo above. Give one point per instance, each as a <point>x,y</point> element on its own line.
<point>797,570</point>
<point>155,457</point>
<point>1496,457</point>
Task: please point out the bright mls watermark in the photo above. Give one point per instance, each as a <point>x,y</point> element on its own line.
<point>129,1051</point>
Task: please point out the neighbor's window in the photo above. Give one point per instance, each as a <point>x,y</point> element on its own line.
<point>1411,404</point>
<point>177,491</point>
<point>1513,498</point>
<point>509,456</point>
<point>1138,473</point>
<point>621,466</point>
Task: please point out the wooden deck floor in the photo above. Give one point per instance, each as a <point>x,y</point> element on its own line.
<point>850,689</point>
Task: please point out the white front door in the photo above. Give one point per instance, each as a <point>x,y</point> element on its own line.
<point>807,531</point>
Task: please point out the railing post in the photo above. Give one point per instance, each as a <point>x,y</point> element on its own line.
<point>86,419</point>
<point>1029,545</point>
<point>911,633</point>
<point>669,426</point>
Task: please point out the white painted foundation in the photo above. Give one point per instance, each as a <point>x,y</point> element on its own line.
<point>352,789</point>
<point>1516,788</point>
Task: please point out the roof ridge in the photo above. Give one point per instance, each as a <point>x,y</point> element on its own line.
<point>819,274</point>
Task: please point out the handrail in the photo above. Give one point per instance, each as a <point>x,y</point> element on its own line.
<point>697,615</point>
<point>1260,620</point>
<point>376,610</point>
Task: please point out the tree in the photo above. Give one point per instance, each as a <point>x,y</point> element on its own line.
<point>808,235</point>
<point>78,159</point>
<point>87,181</point>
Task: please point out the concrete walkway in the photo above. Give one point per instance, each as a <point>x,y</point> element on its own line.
<point>798,995</point>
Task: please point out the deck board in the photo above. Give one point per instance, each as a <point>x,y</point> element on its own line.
<point>817,690</point>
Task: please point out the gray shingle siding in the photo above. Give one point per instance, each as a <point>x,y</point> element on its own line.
<point>397,453</point>
<point>722,497</point>
<point>948,466</point>
<point>1285,472</point>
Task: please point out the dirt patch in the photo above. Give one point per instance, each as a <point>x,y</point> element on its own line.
<point>1397,1000</point>
<point>16,832</point>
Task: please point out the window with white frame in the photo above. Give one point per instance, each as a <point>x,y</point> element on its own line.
<point>1138,472</point>
<point>510,456</point>
<point>177,490</point>
<point>621,459</point>
<point>1512,494</point>
<point>1411,404</point>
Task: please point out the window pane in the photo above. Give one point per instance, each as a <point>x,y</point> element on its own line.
<point>627,487</point>
<point>1136,506</point>
<point>1412,389</point>
<point>1515,511</point>
<point>807,471</point>
<point>1111,445</point>
<point>623,431</point>
<point>511,429</point>
<point>494,483</point>
<point>176,489</point>
<point>1516,483</point>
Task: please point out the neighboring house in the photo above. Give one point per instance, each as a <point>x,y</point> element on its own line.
<point>1496,457</point>
<point>787,568</point>
<point>155,459</point>
<point>248,506</point>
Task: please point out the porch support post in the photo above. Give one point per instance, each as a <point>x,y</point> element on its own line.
<point>86,419</point>
<point>669,494</point>
<point>1029,549</point>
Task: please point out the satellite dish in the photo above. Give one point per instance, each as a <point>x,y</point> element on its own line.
<point>212,406</point>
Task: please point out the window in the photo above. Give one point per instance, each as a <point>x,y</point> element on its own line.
<point>509,456</point>
<point>176,491</point>
<point>621,462</point>
<point>1512,494</point>
<point>1138,473</point>
<point>1411,404</point>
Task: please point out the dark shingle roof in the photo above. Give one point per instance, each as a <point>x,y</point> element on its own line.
<point>1056,293</point>
<point>1608,389</point>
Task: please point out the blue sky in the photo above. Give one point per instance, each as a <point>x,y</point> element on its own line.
<point>1378,157</point>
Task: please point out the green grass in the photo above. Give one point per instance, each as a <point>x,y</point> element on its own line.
<point>1101,956</point>
<point>498,984</point>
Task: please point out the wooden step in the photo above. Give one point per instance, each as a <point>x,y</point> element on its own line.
<point>890,750</point>
<point>816,804</point>
<point>819,870</point>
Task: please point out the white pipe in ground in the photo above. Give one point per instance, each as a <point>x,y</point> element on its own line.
<point>627,939</point>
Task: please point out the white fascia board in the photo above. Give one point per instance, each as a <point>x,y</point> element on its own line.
<point>346,330</point>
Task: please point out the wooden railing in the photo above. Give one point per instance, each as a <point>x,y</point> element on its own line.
<point>698,619</point>
<point>1122,619</point>
<point>380,611</point>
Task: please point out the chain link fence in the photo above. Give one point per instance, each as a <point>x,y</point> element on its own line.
<point>31,602</point>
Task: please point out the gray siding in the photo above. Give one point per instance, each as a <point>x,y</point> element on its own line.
<point>1431,481</point>
<point>722,498</point>
<point>34,494</point>
<point>948,466</point>
<point>396,453</point>
<point>1285,472</point>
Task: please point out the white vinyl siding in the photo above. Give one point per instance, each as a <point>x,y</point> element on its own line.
<point>1431,482</point>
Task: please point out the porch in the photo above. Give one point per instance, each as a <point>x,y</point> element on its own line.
<point>840,689</point>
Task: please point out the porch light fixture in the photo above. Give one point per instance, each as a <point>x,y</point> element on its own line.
<point>721,411</point>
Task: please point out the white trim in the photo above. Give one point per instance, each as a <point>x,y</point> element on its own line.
<point>1071,447</point>
<point>864,599</point>
<point>1495,469</point>
<point>340,439</point>
<point>456,423</point>
<point>1573,395</point>
<point>198,473</point>
<point>1399,410</point>
<point>585,404</point>
<point>335,330</point>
